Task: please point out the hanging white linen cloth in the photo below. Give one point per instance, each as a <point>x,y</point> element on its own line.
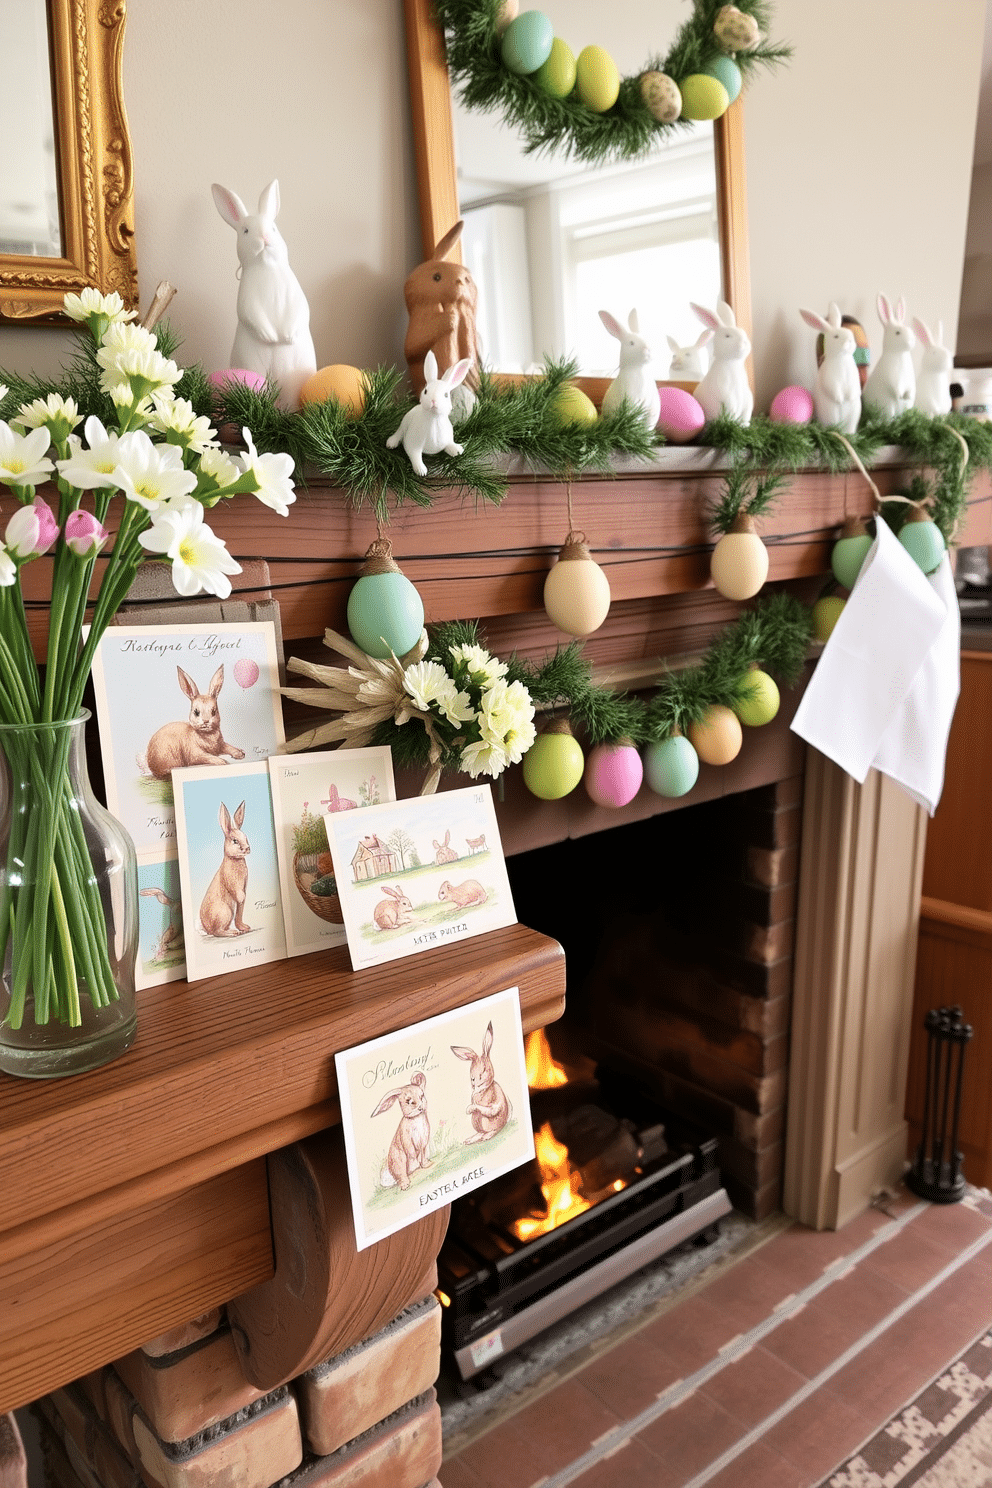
<point>884,689</point>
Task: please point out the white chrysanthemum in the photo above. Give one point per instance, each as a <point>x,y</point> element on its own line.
<point>426,681</point>
<point>200,561</point>
<point>151,474</point>
<point>59,415</point>
<point>23,457</point>
<point>456,706</point>
<point>94,464</point>
<point>120,338</point>
<point>272,473</point>
<point>218,467</point>
<point>142,371</point>
<point>483,758</point>
<point>92,302</point>
<point>177,419</point>
<point>506,718</point>
<point>484,669</point>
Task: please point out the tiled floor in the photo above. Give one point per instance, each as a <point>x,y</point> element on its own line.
<point>771,1374</point>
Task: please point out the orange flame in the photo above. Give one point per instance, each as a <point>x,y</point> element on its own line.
<point>542,1071</point>
<point>560,1188</point>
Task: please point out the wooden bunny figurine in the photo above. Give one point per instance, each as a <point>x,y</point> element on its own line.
<point>441,298</point>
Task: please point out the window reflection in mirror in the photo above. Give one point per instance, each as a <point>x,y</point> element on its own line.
<point>29,199</point>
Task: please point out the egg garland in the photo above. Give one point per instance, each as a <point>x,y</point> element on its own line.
<point>671,766</point>
<point>923,540</point>
<point>613,774</point>
<point>759,700</point>
<point>576,590</point>
<point>385,612</point>
<point>850,551</point>
<point>717,737</point>
<point>739,562</point>
<point>554,764</point>
<point>527,42</point>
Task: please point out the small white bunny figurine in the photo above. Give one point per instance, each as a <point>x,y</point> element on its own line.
<point>689,363</point>
<point>273,335</point>
<point>933,385</point>
<point>725,388</point>
<point>633,381</point>
<point>837,395</point>
<point>891,385</point>
<point>426,429</point>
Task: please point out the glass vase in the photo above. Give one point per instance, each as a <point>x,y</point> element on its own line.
<point>68,908</point>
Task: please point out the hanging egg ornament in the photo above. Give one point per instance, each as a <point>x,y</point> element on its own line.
<point>577,591</point>
<point>734,30</point>
<point>597,79</point>
<point>717,737</point>
<point>923,540</point>
<point>527,42</point>
<point>759,700</point>
<point>613,774</point>
<point>671,766</point>
<point>850,551</point>
<point>739,563</point>
<point>826,613</point>
<point>554,763</point>
<point>703,97</point>
<point>726,71</point>
<point>662,96</point>
<point>385,612</point>
<point>556,76</point>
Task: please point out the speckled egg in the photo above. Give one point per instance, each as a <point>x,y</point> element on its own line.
<point>527,42</point>
<point>346,385</point>
<point>793,405</point>
<point>246,672</point>
<point>557,75</point>
<point>726,71</point>
<point>734,30</point>
<point>703,97</point>
<point>597,79</point>
<point>680,416</point>
<point>662,96</point>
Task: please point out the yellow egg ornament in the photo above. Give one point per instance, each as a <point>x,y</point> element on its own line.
<point>556,76</point>
<point>759,699</point>
<point>554,764</point>
<point>569,405</point>
<point>576,591</point>
<point>344,384</point>
<point>703,97</point>
<point>718,736</point>
<point>597,79</point>
<point>739,563</point>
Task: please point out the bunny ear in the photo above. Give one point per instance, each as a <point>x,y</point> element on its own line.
<point>430,367</point>
<point>900,308</point>
<point>386,1102</point>
<point>216,681</point>
<point>449,240</point>
<point>268,202</point>
<point>419,1078</point>
<point>833,315</point>
<point>487,1042</point>
<point>816,321</point>
<point>922,331</point>
<point>725,313</point>
<point>239,815</point>
<point>612,324</point>
<point>704,338</point>
<point>224,818</point>
<point>706,316</point>
<point>187,684</point>
<point>673,345</point>
<point>229,205</point>
<point>884,309</point>
<point>457,374</point>
<point>632,322</point>
<point>460,1052</point>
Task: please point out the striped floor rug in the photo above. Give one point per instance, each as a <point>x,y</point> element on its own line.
<point>943,1439</point>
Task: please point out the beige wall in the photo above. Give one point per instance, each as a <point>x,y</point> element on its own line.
<point>859,164</point>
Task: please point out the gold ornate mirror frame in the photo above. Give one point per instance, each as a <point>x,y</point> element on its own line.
<point>94,170</point>
<point>433,137</point>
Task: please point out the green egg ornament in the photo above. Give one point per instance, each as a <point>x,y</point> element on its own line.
<point>527,42</point>
<point>850,551</point>
<point>759,700</point>
<point>826,613</point>
<point>726,71</point>
<point>569,405</point>
<point>557,75</point>
<point>703,97</point>
<point>385,612</point>
<point>923,541</point>
<point>554,763</point>
<point>597,79</point>
<point>671,766</point>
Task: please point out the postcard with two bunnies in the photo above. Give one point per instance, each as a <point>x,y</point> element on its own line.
<point>432,1112</point>
<point>419,874</point>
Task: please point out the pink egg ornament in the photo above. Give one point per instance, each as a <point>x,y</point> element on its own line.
<point>613,774</point>
<point>793,405</point>
<point>227,375</point>
<point>245,672</point>
<point>680,416</point>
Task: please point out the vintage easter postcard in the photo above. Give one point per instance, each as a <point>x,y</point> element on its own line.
<point>176,696</point>
<point>161,942</point>
<point>433,1111</point>
<point>304,787</point>
<point>419,874</point>
<point>228,869</point>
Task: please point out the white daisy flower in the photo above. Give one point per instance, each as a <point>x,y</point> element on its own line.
<point>23,458</point>
<point>456,706</point>
<point>483,758</point>
<point>151,474</point>
<point>218,467</point>
<point>200,561</point>
<point>94,467</point>
<point>91,302</point>
<point>176,419</point>
<point>506,715</point>
<point>59,415</point>
<point>425,681</point>
<point>272,472</point>
<point>483,669</point>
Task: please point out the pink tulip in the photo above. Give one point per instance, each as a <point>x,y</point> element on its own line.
<point>31,531</point>
<point>84,534</point>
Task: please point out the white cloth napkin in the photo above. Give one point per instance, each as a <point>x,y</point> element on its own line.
<point>884,689</point>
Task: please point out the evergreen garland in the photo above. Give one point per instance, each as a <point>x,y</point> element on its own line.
<point>565,125</point>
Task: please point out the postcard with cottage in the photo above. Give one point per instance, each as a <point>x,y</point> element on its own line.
<point>304,787</point>
<point>228,869</point>
<point>419,874</point>
<point>178,696</point>
<point>432,1112</point>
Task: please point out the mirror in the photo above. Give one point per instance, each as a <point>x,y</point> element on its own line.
<point>66,209</point>
<point>553,210</point>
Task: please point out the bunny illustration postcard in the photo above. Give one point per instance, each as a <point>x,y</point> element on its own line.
<point>172,697</point>
<point>433,1111</point>
<point>304,787</point>
<point>419,874</point>
<point>228,869</point>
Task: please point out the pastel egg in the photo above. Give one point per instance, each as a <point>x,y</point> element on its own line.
<point>597,79</point>
<point>237,376</point>
<point>717,737</point>
<point>759,699</point>
<point>245,671</point>
<point>613,774</point>
<point>554,763</point>
<point>662,96</point>
<point>739,565</point>
<point>793,405</point>
<point>557,75</point>
<point>346,385</point>
<point>847,556</point>
<point>826,612</point>
<point>703,97</point>
<point>671,767</point>
<point>924,542</point>
<point>570,405</point>
<point>680,416</point>
<point>726,71</point>
<point>734,30</point>
<point>527,42</point>
<point>385,614</point>
<point>577,593</point>
<point>508,11</point>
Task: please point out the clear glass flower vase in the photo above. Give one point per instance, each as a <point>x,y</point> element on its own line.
<point>68,909</point>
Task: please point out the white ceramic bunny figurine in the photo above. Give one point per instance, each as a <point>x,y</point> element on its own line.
<point>837,395</point>
<point>633,381</point>
<point>725,388</point>
<point>426,429</point>
<point>891,385</point>
<point>689,363</point>
<point>273,335</point>
<point>933,385</point>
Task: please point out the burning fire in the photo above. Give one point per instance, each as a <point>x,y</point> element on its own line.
<point>559,1186</point>
<point>542,1071</point>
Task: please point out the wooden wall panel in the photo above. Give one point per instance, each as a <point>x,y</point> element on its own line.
<point>958,865</point>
